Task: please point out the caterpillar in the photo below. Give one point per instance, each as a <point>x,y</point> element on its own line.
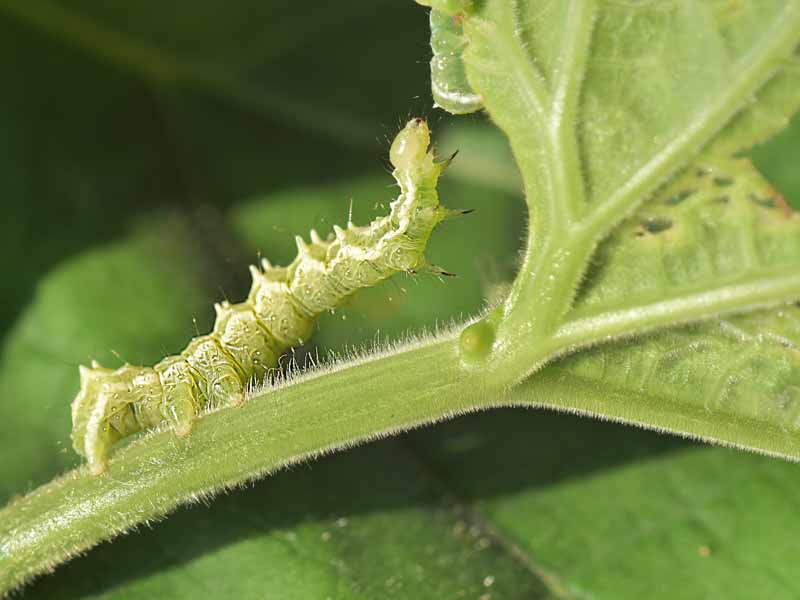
<point>280,310</point>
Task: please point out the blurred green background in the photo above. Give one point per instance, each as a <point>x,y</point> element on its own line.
<point>150,152</point>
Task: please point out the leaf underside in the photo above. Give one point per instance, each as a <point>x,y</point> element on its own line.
<point>607,113</point>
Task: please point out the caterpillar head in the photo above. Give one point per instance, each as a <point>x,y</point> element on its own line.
<point>410,148</point>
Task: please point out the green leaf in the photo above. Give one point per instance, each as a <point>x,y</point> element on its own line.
<point>200,51</point>
<point>497,505</point>
<point>613,71</point>
<point>776,160</point>
<point>718,224</point>
<point>92,308</point>
<point>587,97</point>
<point>732,381</point>
<point>719,236</point>
<point>615,512</point>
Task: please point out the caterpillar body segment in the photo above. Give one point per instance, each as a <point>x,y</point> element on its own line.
<point>280,311</point>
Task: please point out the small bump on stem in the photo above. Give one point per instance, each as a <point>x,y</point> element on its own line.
<point>476,341</point>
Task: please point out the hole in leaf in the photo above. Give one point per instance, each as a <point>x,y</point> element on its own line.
<point>763,202</point>
<point>657,224</point>
<point>723,181</point>
<point>679,197</point>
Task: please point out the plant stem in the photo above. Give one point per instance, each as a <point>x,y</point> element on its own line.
<point>565,225</point>
<point>340,407</point>
<point>278,427</point>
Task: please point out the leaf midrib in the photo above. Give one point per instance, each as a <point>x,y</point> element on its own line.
<point>744,293</point>
<point>558,251</point>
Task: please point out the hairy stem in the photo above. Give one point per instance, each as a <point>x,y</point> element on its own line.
<point>279,427</point>
<point>332,409</point>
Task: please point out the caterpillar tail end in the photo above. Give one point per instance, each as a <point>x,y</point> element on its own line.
<point>235,400</point>
<point>92,437</point>
<point>102,413</point>
<point>98,467</point>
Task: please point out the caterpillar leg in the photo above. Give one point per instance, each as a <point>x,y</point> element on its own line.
<point>181,398</point>
<point>245,339</point>
<point>217,375</point>
<point>274,305</point>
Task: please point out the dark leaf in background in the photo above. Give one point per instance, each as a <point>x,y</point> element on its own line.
<point>151,152</point>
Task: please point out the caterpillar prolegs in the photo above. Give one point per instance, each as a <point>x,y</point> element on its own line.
<point>280,310</point>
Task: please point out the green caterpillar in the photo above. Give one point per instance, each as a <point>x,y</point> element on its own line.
<point>280,311</point>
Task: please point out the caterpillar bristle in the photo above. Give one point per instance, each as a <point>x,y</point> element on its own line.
<point>248,338</point>
<point>302,247</point>
<point>445,162</point>
<point>439,271</point>
<point>459,212</point>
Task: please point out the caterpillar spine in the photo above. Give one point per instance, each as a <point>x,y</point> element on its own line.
<point>280,310</point>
